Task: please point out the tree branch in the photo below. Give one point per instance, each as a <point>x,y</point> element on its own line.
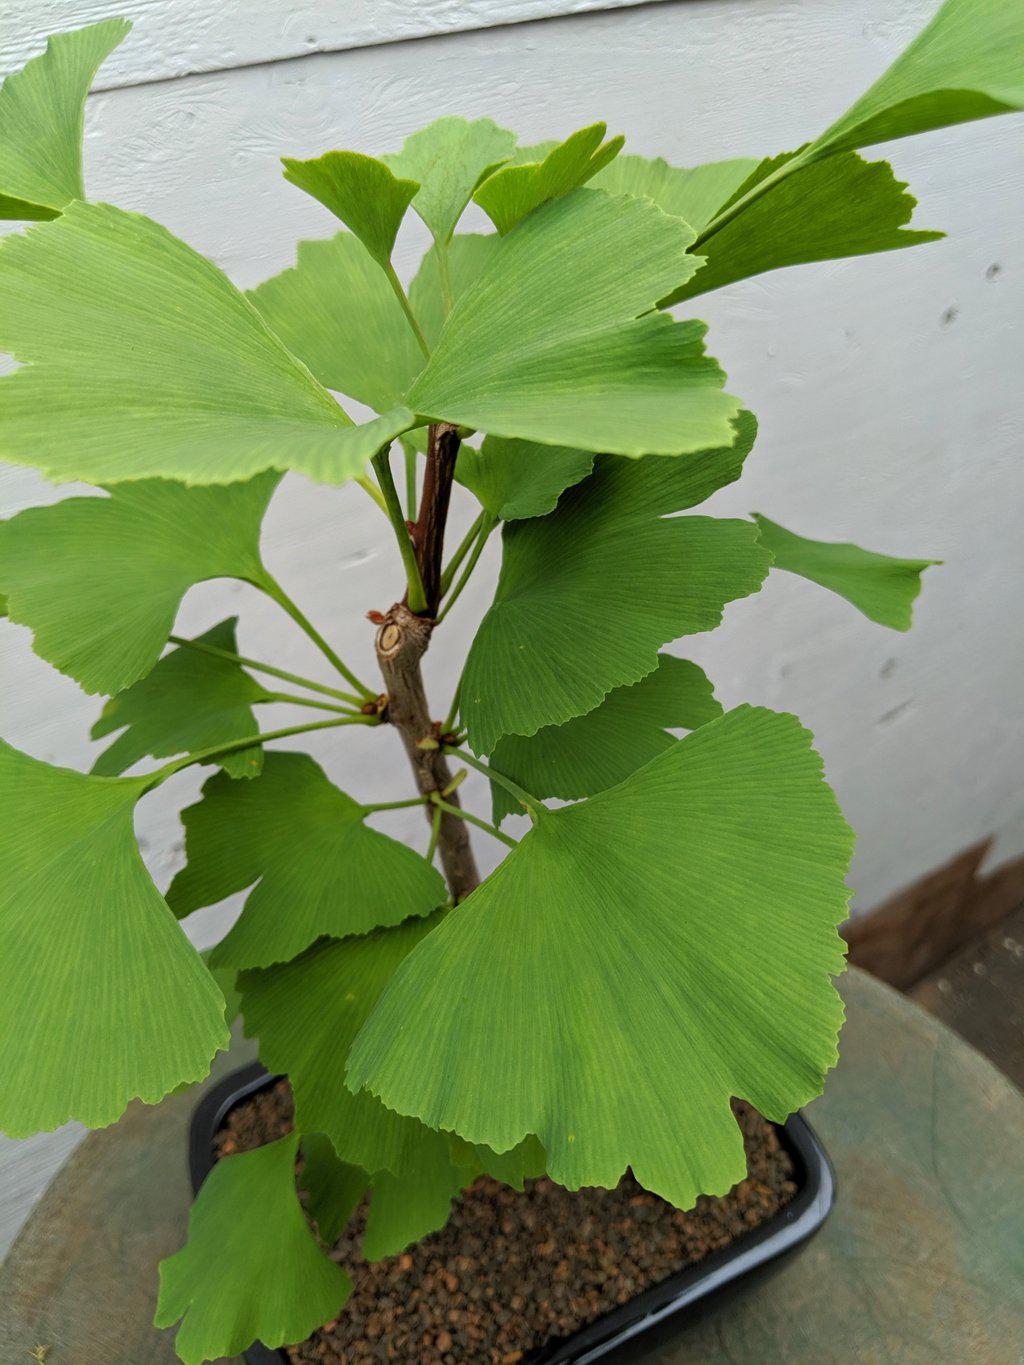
<point>402,640</point>
<point>428,531</point>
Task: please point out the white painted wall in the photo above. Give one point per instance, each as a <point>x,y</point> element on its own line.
<point>888,388</point>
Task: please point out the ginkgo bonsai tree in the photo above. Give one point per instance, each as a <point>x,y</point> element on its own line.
<point>661,940</point>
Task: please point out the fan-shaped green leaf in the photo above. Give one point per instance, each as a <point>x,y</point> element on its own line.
<point>404,1208</point>
<point>881,587</point>
<point>842,206</point>
<point>965,65</point>
<point>99,580</point>
<point>525,1161</point>
<point>468,254</point>
<point>592,752</point>
<point>548,344</point>
<point>360,190</point>
<point>695,194</point>
<point>589,594</point>
<point>336,311</point>
<point>225,978</point>
<point>306,1014</point>
<point>637,961</point>
<point>449,158</point>
<point>251,1269</point>
<point>142,360</point>
<point>518,479</point>
<point>42,110</point>
<point>514,191</point>
<point>318,868</point>
<point>334,1188</point>
<point>188,701</point>
<point>102,991</point>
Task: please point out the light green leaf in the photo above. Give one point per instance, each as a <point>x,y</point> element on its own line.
<point>404,1208</point>
<point>361,191</point>
<point>514,191</point>
<point>318,868</point>
<point>187,702</point>
<point>449,158</point>
<point>141,359</point>
<point>634,963</point>
<point>42,115</point>
<point>100,580</point>
<point>595,751</point>
<point>518,479</point>
<point>589,594</point>
<point>336,311</point>
<point>106,998</point>
<point>966,64</point>
<point>694,194</point>
<point>548,344</point>
<point>468,254</point>
<point>338,314</point>
<point>251,1269</point>
<point>335,1189</point>
<point>881,587</point>
<point>842,206</point>
<point>306,1014</point>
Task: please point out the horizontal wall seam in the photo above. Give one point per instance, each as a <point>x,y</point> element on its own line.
<point>507,13</point>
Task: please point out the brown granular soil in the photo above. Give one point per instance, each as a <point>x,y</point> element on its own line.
<point>510,1272</point>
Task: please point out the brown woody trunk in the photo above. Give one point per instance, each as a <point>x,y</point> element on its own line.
<point>402,640</point>
<point>428,531</point>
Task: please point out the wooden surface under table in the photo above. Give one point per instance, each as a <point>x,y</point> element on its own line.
<point>922,1259</point>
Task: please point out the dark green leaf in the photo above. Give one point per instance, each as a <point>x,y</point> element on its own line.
<point>335,1189</point>
<point>525,1161</point>
<point>404,1208</point>
<point>318,868</point>
<point>188,701</point>
<point>306,1014</point>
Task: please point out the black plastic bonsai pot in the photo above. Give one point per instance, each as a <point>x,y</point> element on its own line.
<point>752,1252</point>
